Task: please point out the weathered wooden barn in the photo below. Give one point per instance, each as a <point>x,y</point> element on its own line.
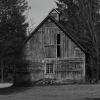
<point>52,52</point>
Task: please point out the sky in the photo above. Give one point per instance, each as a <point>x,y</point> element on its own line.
<point>39,10</point>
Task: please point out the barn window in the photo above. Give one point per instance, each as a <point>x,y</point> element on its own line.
<point>58,45</point>
<point>77,52</point>
<point>49,68</point>
<point>58,39</point>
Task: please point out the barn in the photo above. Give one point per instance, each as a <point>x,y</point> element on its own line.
<point>52,53</point>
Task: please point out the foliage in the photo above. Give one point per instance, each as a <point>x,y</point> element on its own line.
<point>83,23</point>
<point>12,31</point>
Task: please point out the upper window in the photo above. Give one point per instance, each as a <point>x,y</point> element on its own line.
<point>77,52</point>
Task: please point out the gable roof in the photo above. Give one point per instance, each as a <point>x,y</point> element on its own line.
<point>54,10</point>
<point>61,28</point>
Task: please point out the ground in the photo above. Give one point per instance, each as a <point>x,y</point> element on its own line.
<point>61,92</point>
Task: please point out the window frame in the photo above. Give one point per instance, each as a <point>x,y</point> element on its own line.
<point>49,68</point>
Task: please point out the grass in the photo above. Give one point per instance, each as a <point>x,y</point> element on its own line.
<point>60,92</point>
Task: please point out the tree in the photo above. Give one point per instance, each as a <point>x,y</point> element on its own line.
<point>12,33</point>
<point>84,25</point>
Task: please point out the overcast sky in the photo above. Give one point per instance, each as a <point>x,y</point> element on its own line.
<point>39,9</point>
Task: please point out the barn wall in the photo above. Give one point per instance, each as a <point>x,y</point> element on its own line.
<point>42,47</point>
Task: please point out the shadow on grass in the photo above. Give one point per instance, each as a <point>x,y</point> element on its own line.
<point>92,99</point>
<point>13,90</point>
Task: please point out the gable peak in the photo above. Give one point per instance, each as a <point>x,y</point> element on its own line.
<point>55,14</point>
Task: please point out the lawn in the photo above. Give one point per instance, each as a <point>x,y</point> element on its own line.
<point>61,92</point>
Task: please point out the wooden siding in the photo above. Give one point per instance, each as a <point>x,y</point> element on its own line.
<point>42,48</point>
<point>44,42</point>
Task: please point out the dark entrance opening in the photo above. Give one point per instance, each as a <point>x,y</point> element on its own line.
<point>58,45</point>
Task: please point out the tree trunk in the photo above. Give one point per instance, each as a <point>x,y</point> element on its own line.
<point>97,65</point>
<point>92,68</point>
<point>2,72</point>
